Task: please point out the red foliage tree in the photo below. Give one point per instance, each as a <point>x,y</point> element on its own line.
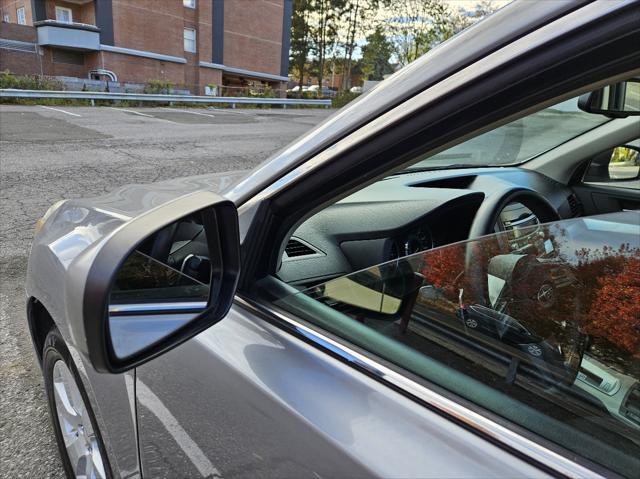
<point>614,310</point>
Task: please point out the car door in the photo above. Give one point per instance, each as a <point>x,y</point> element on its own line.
<point>359,377</point>
<point>263,393</point>
<point>248,398</point>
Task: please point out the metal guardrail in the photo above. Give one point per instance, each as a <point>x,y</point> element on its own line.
<point>97,95</point>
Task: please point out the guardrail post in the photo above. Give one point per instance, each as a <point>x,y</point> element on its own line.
<point>233,106</point>
<point>93,103</point>
<point>284,106</point>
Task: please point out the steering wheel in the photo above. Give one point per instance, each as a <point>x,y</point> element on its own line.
<point>484,224</point>
<point>490,209</point>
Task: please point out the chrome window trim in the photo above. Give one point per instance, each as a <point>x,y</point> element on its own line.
<point>531,449</point>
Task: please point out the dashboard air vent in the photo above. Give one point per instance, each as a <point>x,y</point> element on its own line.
<point>296,248</point>
<point>574,205</point>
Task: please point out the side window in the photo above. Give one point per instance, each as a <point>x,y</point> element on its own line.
<point>189,40</point>
<point>64,15</point>
<point>20,14</point>
<point>545,336</point>
<point>619,167</point>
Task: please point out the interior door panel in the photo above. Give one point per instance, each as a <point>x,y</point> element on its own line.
<point>601,198</point>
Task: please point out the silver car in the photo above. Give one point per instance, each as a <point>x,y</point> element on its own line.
<point>313,317</point>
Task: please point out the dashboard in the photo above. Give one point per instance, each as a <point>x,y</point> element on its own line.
<point>407,213</point>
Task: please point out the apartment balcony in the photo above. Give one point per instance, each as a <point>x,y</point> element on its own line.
<point>71,36</point>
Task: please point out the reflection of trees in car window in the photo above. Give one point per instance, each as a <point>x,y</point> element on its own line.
<point>549,317</point>
<point>612,300</point>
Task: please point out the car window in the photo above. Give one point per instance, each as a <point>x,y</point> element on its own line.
<point>520,140</point>
<point>546,336</point>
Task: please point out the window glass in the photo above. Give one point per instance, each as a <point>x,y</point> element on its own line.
<point>20,14</point>
<point>6,18</point>
<point>189,3</point>
<point>189,40</point>
<point>519,140</point>
<point>64,15</point>
<point>541,327</point>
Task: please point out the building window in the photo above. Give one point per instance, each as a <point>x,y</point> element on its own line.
<point>189,3</point>
<point>64,15</point>
<point>189,40</point>
<point>6,18</point>
<point>22,19</point>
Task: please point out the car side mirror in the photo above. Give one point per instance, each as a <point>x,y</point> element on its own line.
<point>615,101</point>
<point>155,282</point>
<point>621,164</point>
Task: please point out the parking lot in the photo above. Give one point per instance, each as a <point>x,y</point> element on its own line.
<point>51,153</point>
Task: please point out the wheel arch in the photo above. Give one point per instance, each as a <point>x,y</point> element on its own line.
<point>40,323</point>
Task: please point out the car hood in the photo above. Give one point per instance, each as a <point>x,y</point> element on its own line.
<point>71,226</point>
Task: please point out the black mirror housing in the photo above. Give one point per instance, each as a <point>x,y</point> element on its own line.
<point>614,101</point>
<point>94,274</point>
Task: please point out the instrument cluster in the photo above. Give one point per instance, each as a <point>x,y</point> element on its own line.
<point>420,239</point>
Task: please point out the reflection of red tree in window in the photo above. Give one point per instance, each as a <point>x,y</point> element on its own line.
<point>443,267</point>
<point>601,294</point>
<point>612,295</point>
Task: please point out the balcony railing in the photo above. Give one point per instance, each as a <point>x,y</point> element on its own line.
<point>73,36</point>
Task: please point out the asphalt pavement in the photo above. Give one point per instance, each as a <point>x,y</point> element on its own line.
<point>52,153</point>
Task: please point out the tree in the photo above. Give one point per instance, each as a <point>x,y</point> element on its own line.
<point>354,19</point>
<point>416,26</point>
<point>376,54</point>
<point>612,295</point>
<point>465,18</point>
<point>300,38</point>
<point>324,28</point>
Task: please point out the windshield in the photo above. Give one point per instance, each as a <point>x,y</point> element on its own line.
<point>519,140</point>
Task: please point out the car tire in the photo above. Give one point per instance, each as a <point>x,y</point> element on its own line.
<point>79,442</point>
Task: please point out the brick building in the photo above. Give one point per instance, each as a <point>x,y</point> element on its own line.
<point>191,43</point>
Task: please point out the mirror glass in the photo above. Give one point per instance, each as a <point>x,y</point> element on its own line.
<point>161,286</point>
<point>632,97</point>
<point>624,163</point>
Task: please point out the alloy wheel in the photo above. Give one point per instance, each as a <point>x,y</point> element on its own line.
<point>79,437</point>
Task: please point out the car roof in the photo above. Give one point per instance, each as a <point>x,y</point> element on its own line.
<point>503,27</point>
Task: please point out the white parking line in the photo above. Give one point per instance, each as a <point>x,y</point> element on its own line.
<point>197,457</point>
<point>187,111</point>
<point>226,110</point>
<point>132,111</point>
<point>61,111</point>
